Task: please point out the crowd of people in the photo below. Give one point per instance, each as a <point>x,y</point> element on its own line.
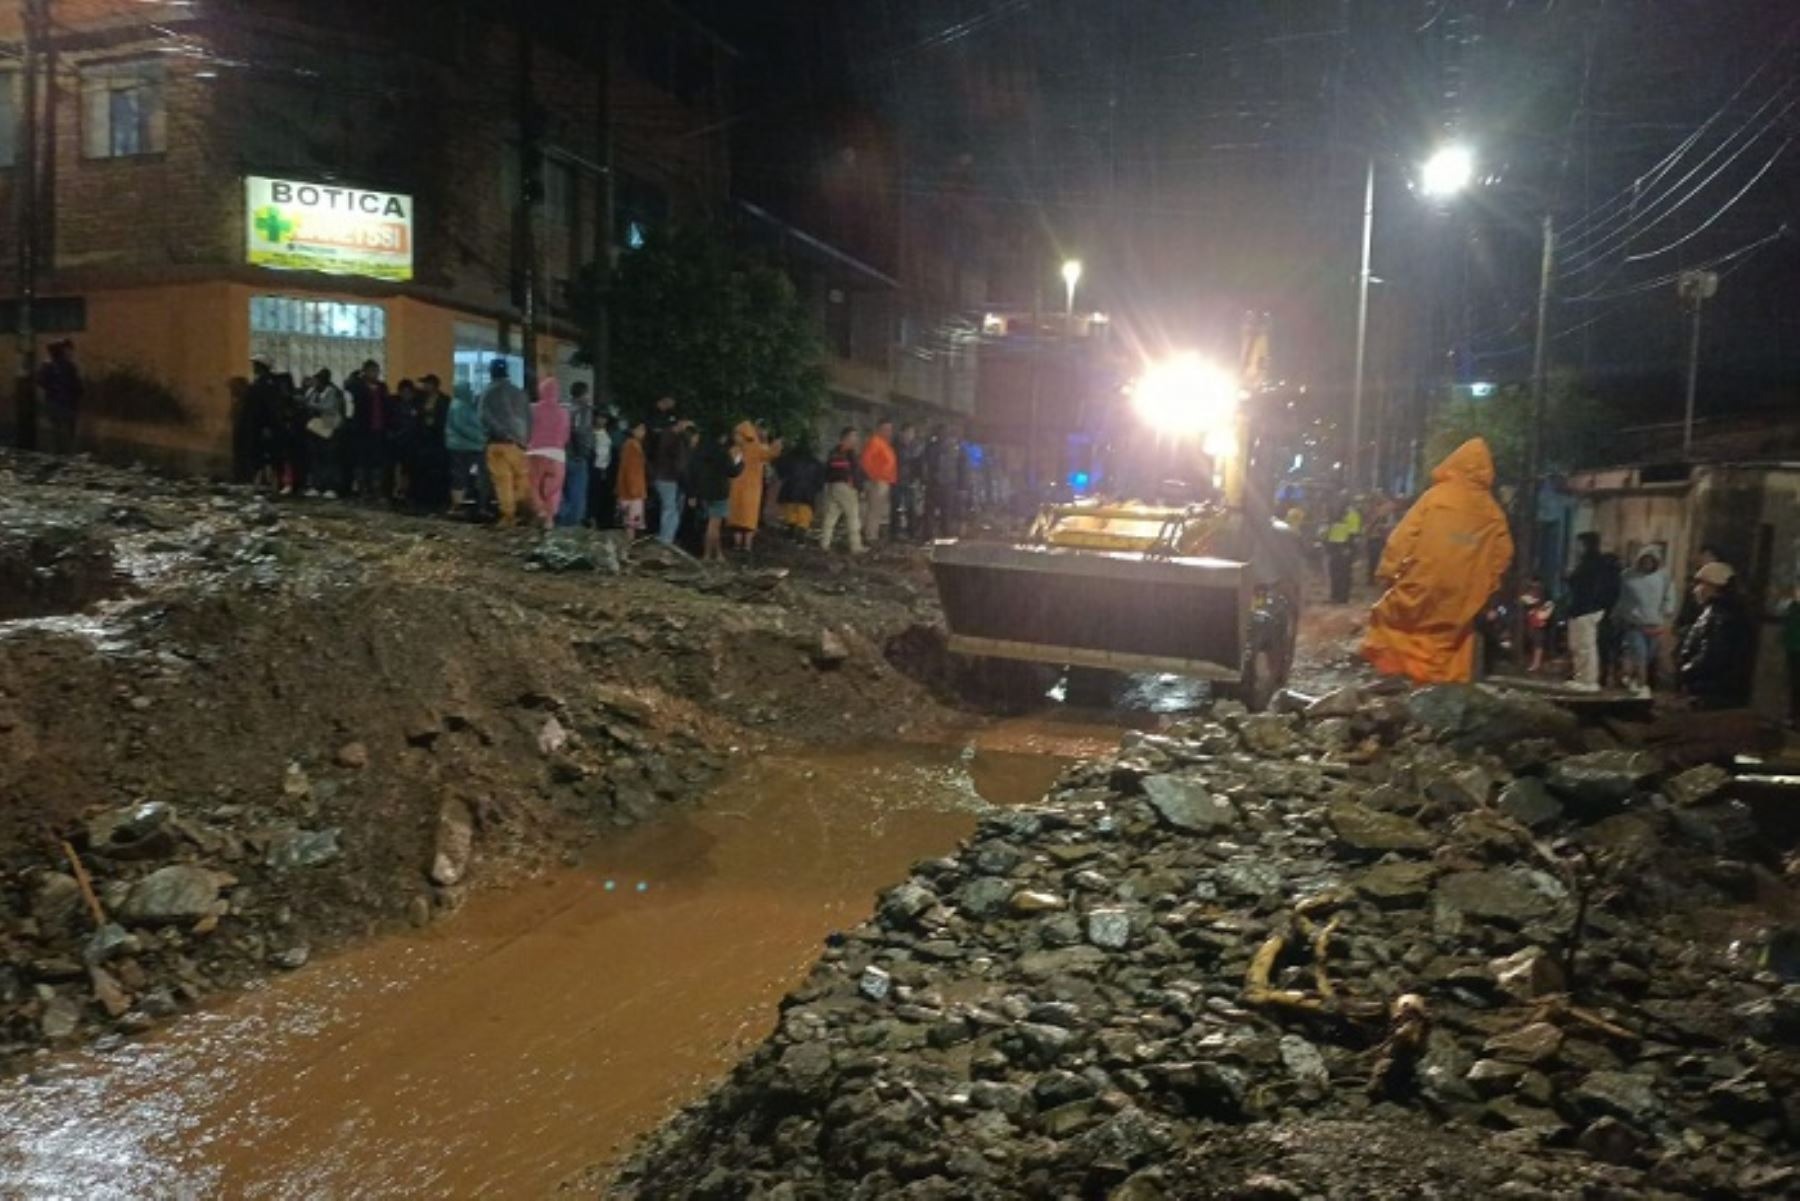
<point>1635,628</point>
<point>1442,566</point>
<point>560,460</point>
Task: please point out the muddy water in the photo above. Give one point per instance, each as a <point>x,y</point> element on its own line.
<point>502,1051</point>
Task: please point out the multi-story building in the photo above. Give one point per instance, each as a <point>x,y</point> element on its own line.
<point>323,182</point>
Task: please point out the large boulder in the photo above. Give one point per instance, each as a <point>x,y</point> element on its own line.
<point>1470,717</point>
<point>1188,805</point>
<point>177,893</point>
<point>1602,782</point>
<point>1364,831</point>
<point>1499,895</point>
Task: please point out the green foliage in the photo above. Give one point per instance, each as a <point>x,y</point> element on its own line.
<point>1575,426</point>
<point>723,333</point>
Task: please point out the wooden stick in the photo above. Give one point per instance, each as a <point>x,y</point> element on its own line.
<point>86,885</point>
<point>1322,948</point>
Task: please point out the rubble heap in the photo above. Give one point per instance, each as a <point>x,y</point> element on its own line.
<point>236,733</point>
<point>1397,946</point>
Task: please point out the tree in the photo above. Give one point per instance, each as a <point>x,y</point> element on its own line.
<point>722,332</point>
<point>1575,426</point>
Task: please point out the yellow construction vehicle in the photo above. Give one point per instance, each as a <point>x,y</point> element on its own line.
<point>1192,577</point>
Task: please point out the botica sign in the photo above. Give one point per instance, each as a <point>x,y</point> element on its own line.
<point>295,226</point>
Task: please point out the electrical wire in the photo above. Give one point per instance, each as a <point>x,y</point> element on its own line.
<point>1628,198</point>
<point>1723,209</point>
<point>1622,237</point>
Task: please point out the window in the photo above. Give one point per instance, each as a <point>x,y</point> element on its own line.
<point>301,335</point>
<point>122,110</point>
<point>638,208</point>
<point>9,117</point>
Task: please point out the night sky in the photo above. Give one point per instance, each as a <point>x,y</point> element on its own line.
<point>1206,156</point>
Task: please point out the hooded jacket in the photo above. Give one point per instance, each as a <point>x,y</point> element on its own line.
<point>549,422</point>
<point>1444,559</point>
<point>747,488</point>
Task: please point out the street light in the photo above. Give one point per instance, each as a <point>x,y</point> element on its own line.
<point>1447,172</point>
<point>1443,175</point>
<point>1071,273</point>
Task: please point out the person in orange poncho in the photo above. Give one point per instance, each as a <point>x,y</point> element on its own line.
<point>1442,563</point>
<point>747,488</point>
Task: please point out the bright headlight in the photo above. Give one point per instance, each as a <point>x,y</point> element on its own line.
<point>1187,395</point>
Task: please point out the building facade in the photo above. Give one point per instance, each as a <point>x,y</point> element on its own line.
<point>322,183</point>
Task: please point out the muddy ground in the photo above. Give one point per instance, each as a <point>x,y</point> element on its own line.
<point>234,732</point>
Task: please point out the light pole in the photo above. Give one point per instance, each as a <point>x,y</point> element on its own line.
<point>1443,175</point>
<point>1695,288</point>
<point>1071,274</point>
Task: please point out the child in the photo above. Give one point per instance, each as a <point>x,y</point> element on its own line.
<point>1539,611</point>
<point>634,484</point>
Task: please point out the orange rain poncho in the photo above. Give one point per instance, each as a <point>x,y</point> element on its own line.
<point>747,488</point>
<point>1444,559</point>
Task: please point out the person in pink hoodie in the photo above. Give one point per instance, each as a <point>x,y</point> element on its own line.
<point>544,454</point>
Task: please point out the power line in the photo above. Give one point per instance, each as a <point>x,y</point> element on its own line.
<point>1622,237</point>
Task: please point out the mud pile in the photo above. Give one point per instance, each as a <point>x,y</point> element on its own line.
<point>235,733</point>
<point>1401,946</point>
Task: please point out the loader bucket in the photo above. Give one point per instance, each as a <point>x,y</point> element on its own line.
<point>1119,611</point>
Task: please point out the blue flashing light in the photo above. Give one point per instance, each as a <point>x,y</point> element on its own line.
<point>1078,480</point>
<point>976,454</point>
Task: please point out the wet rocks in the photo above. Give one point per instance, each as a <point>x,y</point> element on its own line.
<point>1364,831</point>
<point>352,755</point>
<point>1398,883</point>
<point>1630,1096</point>
<point>1502,894</point>
<point>135,832</point>
<point>454,842</point>
<point>1528,974</point>
<point>56,902</point>
<point>1269,734</point>
<point>1603,781</point>
<point>905,905</point>
<point>1535,1043</point>
<point>830,651</point>
<point>1529,803</point>
<point>60,1018</point>
<point>1188,804</point>
<point>1090,995</point>
<point>1697,784</point>
<point>177,893</point>
<point>1109,928</point>
<point>290,850</point>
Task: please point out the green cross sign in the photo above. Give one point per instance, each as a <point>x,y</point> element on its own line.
<point>272,225</point>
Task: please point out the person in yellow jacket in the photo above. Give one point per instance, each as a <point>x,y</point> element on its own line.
<point>747,488</point>
<point>1442,563</point>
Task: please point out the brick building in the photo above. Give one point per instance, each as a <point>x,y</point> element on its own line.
<point>324,182</point>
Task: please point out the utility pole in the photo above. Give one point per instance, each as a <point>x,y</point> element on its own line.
<point>1695,289</point>
<point>1534,438</point>
<point>531,191</point>
<point>1354,458</point>
<point>600,332</point>
<point>25,198</point>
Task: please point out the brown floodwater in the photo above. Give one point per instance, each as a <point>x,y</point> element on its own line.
<point>543,1028</point>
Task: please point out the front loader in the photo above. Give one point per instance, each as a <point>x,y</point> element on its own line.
<point>1207,585</point>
